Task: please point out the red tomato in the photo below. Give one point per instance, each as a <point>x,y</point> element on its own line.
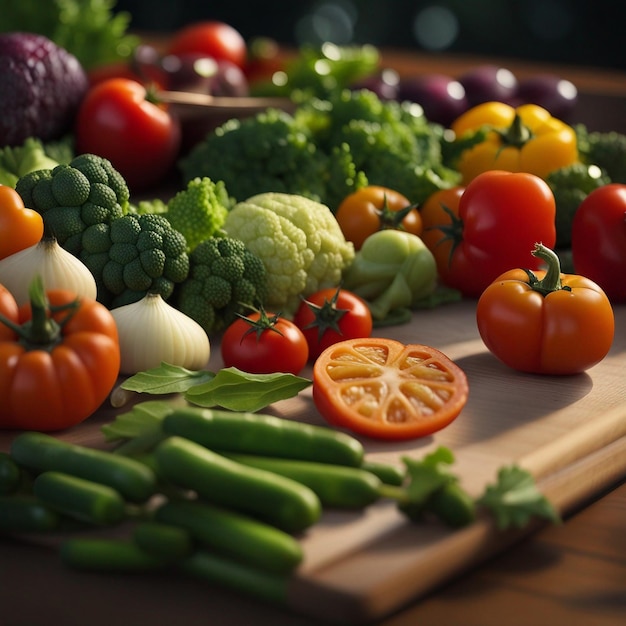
<point>599,239</point>
<point>264,343</point>
<point>118,121</point>
<point>214,39</point>
<point>332,315</point>
<point>500,217</point>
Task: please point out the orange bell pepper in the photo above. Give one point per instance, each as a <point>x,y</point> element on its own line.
<point>20,227</point>
<point>522,139</point>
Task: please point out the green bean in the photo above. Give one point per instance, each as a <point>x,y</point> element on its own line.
<point>10,474</point>
<point>254,433</point>
<point>337,486</point>
<point>237,576</point>
<point>389,474</point>
<point>277,500</point>
<point>107,555</point>
<point>80,499</point>
<point>25,513</point>
<point>39,451</point>
<point>234,535</point>
<point>165,541</point>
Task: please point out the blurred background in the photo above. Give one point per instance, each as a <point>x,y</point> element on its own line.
<point>581,32</point>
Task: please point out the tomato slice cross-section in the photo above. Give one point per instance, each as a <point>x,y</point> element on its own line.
<point>385,389</point>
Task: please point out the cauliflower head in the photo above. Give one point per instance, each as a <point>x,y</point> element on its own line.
<point>299,242</point>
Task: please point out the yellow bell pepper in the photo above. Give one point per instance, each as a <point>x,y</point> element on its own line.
<point>522,139</point>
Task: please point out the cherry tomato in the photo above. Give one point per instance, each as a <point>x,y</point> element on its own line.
<point>599,239</point>
<point>211,38</point>
<point>331,315</point>
<point>372,208</point>
<point>264,343</point>
<point>500,217</point>
<point>384,389</point>
<point>546,322</point>
<point>119,121</point>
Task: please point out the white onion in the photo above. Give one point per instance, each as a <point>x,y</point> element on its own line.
<point>152,332</point>
<point>58,268</point>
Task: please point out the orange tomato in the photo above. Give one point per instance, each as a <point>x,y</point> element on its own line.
<point>20,228</point>
<point>385,389</point>
<point>59,380</point>
<point>372,208</point>
<point>546,322</point>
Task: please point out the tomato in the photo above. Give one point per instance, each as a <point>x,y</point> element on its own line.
<point>211,38</point>
<point>55,381</point>
<point>599,239</point>
<point>264,343</point>
<point>117,120</point>
<point>546,322</point>
<point>501,215</point>
<point>20,228</point>
<point>9,310</point>
<point>372,208</point>
<point>384,389</point>
<point>331,315</point>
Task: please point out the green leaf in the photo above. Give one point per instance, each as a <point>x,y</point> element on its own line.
<point>143,419</point>
<point>426,476</point>
<point>166,379</point>
<point>239,391</point>
<point>514,499</point>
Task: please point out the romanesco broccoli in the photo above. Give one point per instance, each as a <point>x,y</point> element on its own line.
<point>225,278</point>
<point>299,242</point>
<point>199,210</point>
<point>570,186</point>
<point>606,150</point>
<point>325,150</point>
<point>133,255</point>
<point>71,197</point>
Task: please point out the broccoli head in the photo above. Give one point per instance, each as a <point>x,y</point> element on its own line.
<point>570,186</point>
<point>133,255</point>
<point>607,150</point>
<point>266,152</point>
<point>199,210</point>
<point>224,280</point>
<point>71,197</point>
<point>299,242</point>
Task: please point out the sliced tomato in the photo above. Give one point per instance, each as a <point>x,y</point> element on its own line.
<point>385,389</point>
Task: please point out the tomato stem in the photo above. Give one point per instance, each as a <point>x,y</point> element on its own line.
<point>326,316</point>
<point>391,219</point>
<point>265,322</point>
<point>41,332</point>
<point>552,279</point>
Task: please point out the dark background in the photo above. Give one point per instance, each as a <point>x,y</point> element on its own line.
<point>589,33</point>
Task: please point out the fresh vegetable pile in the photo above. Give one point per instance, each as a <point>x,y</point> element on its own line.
<point>288,236</point>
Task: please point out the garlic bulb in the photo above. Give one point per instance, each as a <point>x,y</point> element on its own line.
<point>152,332</point>
<point>58,268</point>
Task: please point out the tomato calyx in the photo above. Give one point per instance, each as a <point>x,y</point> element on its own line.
<point>393,219</point>
<point>264,323</point>
<point>552,279</point>
<point>516,135</point>
<point>326,316</point>
<point>452,232</point>
<point>42,332</point>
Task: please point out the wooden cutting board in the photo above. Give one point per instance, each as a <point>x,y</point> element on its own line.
<point>570,432</point>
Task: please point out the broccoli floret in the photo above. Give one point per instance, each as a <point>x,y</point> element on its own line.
<point>224,280</point>
<point>133,255</point>
<point>606,150</point>
<point>199,210</point>
<point>266,152</point>
<point>570,186</point>
<point>71,197</point>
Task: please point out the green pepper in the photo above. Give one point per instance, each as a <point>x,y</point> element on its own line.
<point>393,270</point>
